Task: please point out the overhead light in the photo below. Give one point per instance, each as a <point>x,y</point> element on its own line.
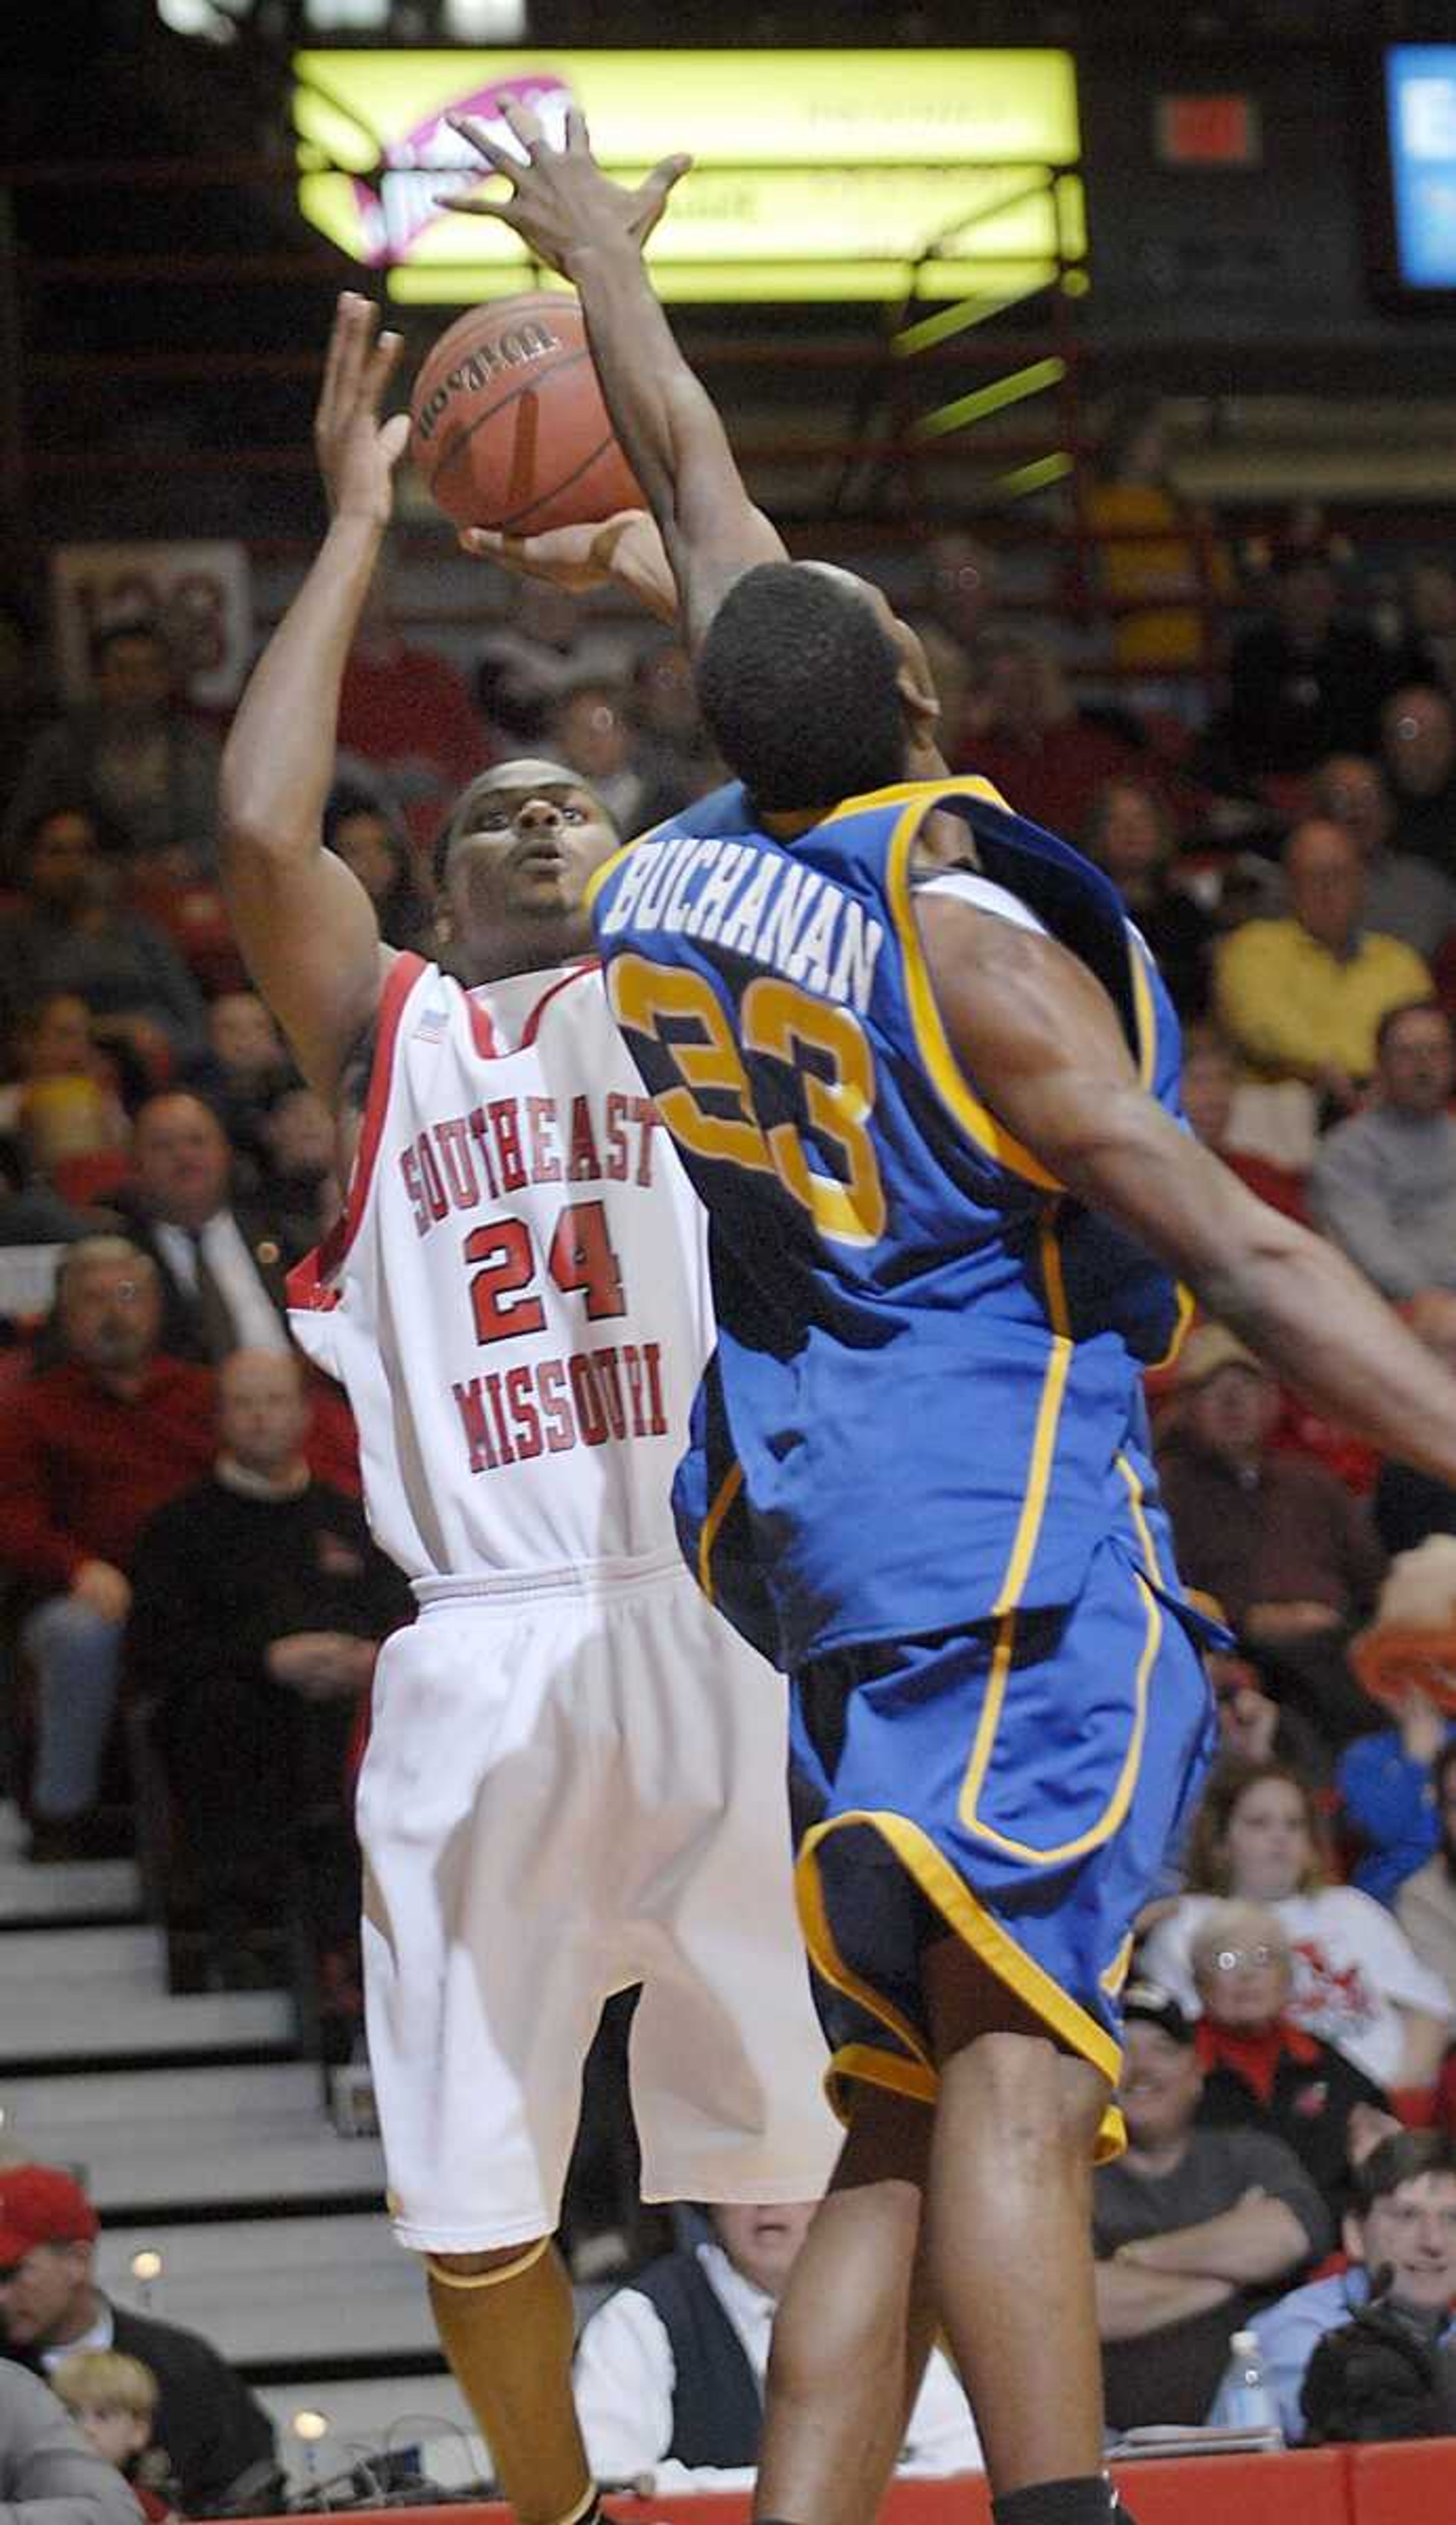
<point>485,21</point>
<point>330,15</point>
<point>197,17</point>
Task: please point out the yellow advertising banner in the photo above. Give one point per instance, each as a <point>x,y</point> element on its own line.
<point>817,174</point>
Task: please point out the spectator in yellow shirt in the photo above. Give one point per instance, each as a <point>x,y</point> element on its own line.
<point>1302,997</point>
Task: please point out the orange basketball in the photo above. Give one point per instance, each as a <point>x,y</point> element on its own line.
<point>508,424</point>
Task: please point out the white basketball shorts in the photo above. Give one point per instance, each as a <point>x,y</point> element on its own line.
<point>576,1781</point>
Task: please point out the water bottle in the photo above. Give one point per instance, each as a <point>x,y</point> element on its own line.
<point>1246,2398</point>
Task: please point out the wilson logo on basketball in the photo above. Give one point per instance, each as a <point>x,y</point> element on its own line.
<point>516,349</point>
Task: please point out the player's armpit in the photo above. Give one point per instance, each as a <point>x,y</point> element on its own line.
<point>1040,1040</point>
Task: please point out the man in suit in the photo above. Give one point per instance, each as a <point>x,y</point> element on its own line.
<point>207,2422</point>
<point>222,1267</point>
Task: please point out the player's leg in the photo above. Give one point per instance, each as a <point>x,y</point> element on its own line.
<point>505,2324</point>
<point>481,2002</point>
<point>854,2328</point>
<point>1009,2240</point>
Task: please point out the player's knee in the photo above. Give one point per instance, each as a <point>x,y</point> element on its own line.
<point>1031,2096</point>
<point>497,2263</point>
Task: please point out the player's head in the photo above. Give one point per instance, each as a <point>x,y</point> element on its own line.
<point>513,863</point>
<point>811,689</point>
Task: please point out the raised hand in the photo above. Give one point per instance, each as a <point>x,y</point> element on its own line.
<point>561,204</point>
<point>356,452</point>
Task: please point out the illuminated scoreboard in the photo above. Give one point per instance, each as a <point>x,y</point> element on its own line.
<point>817,174</point>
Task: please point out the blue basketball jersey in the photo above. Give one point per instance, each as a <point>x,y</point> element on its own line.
<point>925,1406</point>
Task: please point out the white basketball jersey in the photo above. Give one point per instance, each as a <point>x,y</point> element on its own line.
<point>516,1296</point>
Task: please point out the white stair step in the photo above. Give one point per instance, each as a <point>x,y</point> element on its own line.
<point>191,2136</point>
<point>269,2291</point>
<point>75,1994</point>
<point>83,1888</point>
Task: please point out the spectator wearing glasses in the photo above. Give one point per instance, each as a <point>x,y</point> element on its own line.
<point>1263,2072</point>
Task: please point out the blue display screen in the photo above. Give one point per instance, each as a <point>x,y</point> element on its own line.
<point>1421,107</point>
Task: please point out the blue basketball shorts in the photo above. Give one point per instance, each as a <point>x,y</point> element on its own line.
<point>1016,1785</point>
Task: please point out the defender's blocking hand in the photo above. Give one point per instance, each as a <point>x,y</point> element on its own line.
<point>561,204</point>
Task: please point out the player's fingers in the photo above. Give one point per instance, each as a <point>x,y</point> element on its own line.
<point>377,374</point>
<point>665,175</point>
<point>394,437</point>
<point>482,543</point>
<point>358,346</point>
<point>527,127</point>
<point>471,130</point>
<point>577,137</point>
<point>471,208</point>
<point>341,338</point>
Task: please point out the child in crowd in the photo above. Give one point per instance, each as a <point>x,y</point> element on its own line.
<point>113,2399</point>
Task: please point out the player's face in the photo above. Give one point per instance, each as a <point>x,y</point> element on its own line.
<point>517,874</point>
<point>918,696</point>
<point>1413,2229</point>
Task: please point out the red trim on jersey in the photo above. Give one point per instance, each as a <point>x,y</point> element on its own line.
<point>482,1032</point>
<point>309,1281</point>
<point>587,965</point>
<point>487,1042</point>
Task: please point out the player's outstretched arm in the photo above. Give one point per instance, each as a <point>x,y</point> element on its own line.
<point>305,925</point>
<point>592,231</point>
<point>1038,1036</point>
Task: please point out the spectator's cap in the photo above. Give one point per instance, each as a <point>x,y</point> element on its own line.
<point>41,2205</point>
<point>1208,1348</point>
<point>1146,2003</point>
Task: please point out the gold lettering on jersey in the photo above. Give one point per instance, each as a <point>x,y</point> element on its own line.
<point>774,911</point>
<point>500,1148</point>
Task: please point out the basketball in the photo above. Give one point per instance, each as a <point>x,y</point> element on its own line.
<point>508,426</point>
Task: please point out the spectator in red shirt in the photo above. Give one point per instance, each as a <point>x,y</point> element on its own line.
<point>408,712</point>
<point>88,1449</point>
<point>1209,1082</point>
<point>1028,737</point>
<point>1263,2071</point>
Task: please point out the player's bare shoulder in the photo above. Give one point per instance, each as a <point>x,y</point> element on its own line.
<point>1003,989</point>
